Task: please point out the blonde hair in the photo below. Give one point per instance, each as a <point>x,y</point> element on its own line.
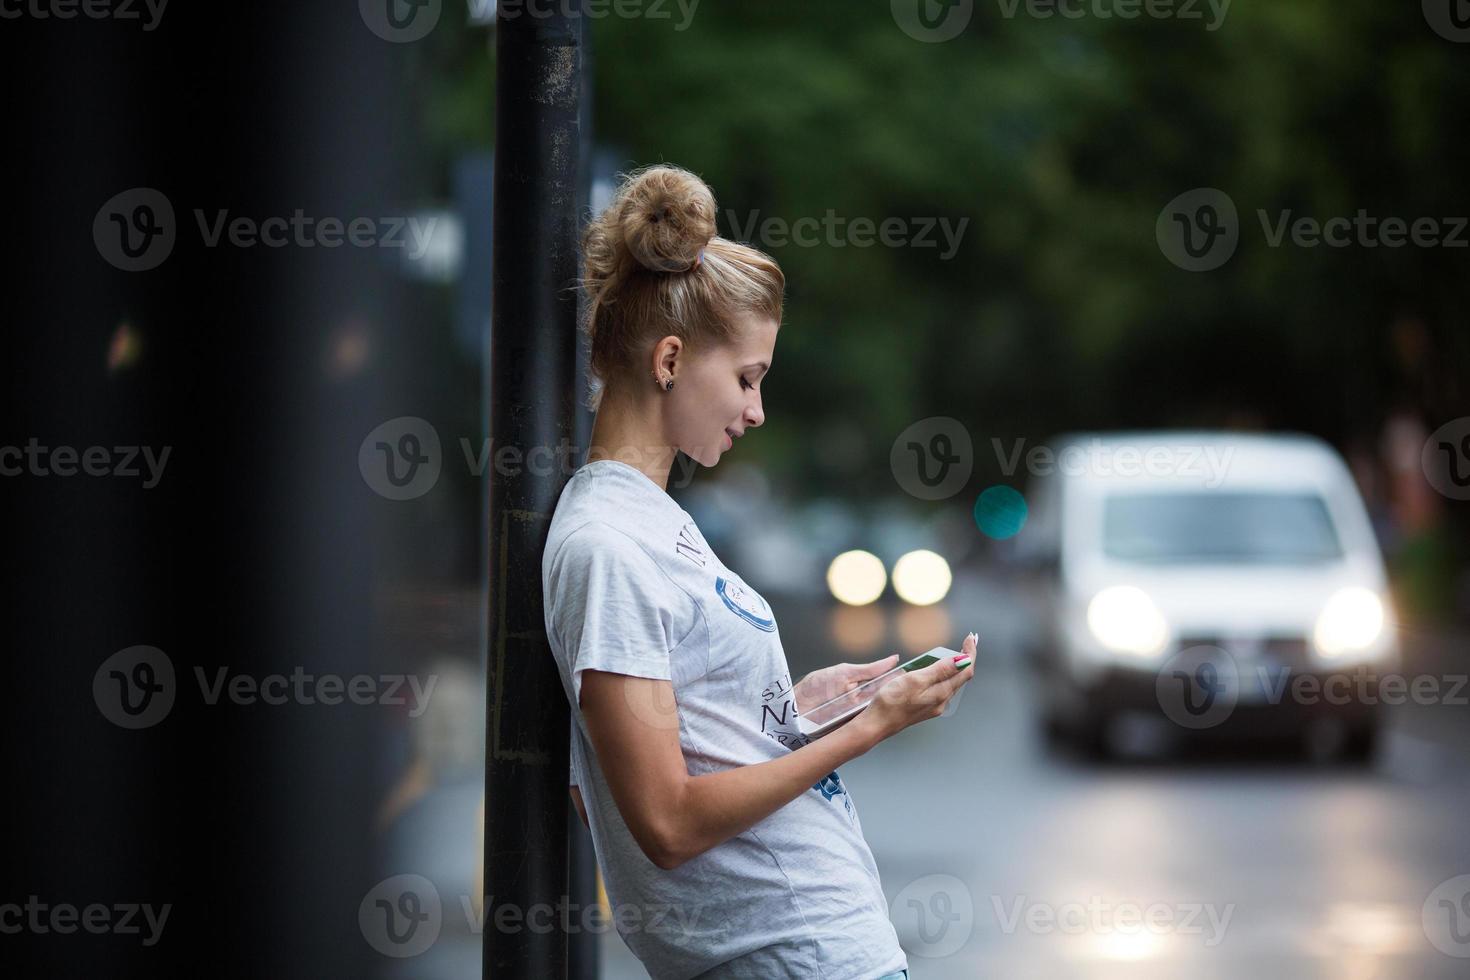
<point>652,265</point>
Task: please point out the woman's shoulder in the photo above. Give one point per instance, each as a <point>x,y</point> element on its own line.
<point>605,545</point>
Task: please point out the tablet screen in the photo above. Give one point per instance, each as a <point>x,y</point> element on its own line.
<point>858,697</point>
<point>863,694</point>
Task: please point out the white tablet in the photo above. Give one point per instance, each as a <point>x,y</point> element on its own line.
<point>831,715</point>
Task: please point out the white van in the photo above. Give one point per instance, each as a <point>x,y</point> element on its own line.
<point>1213,580</point>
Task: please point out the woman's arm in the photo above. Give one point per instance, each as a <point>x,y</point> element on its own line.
<point>634,727</point>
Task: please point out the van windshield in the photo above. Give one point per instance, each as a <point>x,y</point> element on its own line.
<point>1219,527</point>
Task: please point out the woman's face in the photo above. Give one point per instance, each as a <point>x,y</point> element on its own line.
<point>717,396</point>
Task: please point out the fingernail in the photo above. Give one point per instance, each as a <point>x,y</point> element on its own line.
<point>962,656</point>
<point>962,663</point>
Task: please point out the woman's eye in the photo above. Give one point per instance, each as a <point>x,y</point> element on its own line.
<point>744,383</point>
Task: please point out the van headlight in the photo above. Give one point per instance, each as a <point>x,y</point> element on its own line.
<point>1125,620</point>
<point>1351,621</point>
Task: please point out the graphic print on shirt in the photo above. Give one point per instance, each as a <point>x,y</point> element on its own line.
<point>745,603</point>
<point>830,785</point>
<point>690,544</point>
<point>778,714</point>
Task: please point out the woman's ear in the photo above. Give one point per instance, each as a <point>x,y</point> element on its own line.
<point>665,355</point>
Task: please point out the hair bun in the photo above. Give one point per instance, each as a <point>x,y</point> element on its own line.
<point>667,216</point>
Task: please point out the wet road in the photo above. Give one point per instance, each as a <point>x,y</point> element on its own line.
<point>1000,859</point>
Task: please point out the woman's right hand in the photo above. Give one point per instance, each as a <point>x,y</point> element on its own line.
<point>918,695</point>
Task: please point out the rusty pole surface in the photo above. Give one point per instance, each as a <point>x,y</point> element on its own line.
<point>538,143</point>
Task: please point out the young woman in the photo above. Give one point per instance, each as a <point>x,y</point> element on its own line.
<point>728,843</point>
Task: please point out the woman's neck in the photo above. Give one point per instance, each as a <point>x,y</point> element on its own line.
<point>629,436</point>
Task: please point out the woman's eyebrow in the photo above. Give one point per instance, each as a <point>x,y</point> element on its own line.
<point>760,364</point>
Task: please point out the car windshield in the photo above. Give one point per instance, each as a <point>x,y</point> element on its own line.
<point>1219,527</point>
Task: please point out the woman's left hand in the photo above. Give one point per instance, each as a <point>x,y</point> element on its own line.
<point>825,684</point>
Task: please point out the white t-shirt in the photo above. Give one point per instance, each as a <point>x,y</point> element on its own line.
<point>632,587</point>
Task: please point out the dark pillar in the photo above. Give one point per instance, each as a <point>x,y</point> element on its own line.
<point>538,96</point>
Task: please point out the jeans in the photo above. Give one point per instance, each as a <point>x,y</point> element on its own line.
<point>900,975</point>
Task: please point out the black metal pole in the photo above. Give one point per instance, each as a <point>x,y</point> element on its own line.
<point>538,95</point>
